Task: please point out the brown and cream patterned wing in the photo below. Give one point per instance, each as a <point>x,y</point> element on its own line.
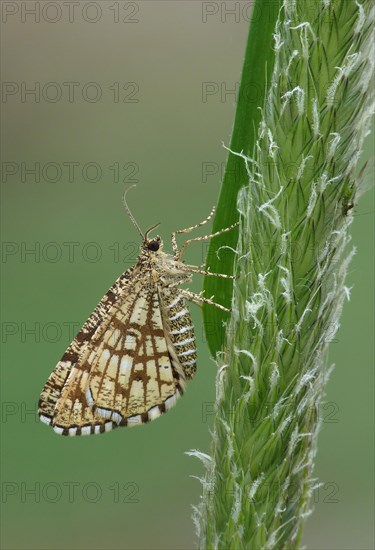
<point>70,374</point>
<point>135,375</point>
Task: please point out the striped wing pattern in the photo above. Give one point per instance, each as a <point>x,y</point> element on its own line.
<point>127,365</point>
<point>78,349</point>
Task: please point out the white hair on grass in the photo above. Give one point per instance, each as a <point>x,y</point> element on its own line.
<point>286,284</point>
<point>275,375</point>
<point>229,440</point>
<point>220,383</point>
<point>294,438</point>
<point>279,406</point>
<point>305,402</point>
<point>354,160</point>
<point>293,441</point>
<point>324,181</point>
<point>248,353</point>
<point>285,241</point>
<point>294,54</point>
<point>350,63</point>
<point>315,486</point>
<point>306,378</point>
<point>248,378</point>
<point>203,457</point>
<point>242,201</point>
<point>302,165</point>
<point>316,118</point>
<point>366,79</point>
<point>278,43</point>
<point>261,283</point>
<point>329,297</point>
<point>345,264</point>
<point>272,541</point>
<point>312,200</point>
<point>237,505</point>
<point>225,247</point>
<point>263,129</point>
<point>251,309</point>
<point>347,290</point>
<point>290,7</point>
<point>270,211</point>
<point>363,126</point>
<point>254,486</point>
<point>284,424</point>
<point>259,519</point>
<point>280,340</point>
<point>202,480</point>
<point>307,26</point>
<point>326,374</point>
<point>247,396</point>
<point>302,464</point>
<point>280,505</point>
<point>331,90</point>
<point>360,20</point>
<point>298,326</point>
<point>246,159</point>
<point>196,517</point>
<point>288,96</point>
<point>272,145</point>
<point>336,138</point>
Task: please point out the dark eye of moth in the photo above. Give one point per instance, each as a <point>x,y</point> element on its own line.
<point>153,245</point>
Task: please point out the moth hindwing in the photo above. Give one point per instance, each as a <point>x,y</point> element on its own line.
<point>132,358</point>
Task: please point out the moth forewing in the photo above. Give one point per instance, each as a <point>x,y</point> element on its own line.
<point>132,358</point>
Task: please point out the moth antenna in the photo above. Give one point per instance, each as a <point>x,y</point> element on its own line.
<point>129,212</point>
<point>151,229</point>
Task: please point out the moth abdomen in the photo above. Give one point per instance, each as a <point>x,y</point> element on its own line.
<point>181,331</point>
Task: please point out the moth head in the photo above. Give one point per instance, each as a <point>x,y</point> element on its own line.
<point>153,245</point>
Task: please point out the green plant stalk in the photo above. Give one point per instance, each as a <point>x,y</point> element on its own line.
<point>292,258</point>
<point>256,75</point>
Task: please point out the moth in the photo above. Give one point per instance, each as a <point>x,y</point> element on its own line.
<point>132,358</point>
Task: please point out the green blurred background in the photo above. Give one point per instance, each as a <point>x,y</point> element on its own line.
<point>136,92</point>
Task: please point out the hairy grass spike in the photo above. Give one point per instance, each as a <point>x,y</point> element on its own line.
<point>292,256</point>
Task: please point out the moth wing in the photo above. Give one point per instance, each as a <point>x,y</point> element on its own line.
<point>64,387</point>
<point>135,374</point>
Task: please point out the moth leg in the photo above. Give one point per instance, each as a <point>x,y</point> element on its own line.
<point>188,241</point>
<point>199,299</point>
<point>177,254</point>
<point>196,269</point>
